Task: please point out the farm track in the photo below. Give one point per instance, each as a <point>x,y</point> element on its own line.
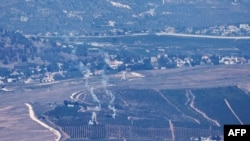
<point>231,109</point>
<point>6,108</point>
<point>191,104</point>
<point>33,117</point>
<point>177,109</point>
<point>188,99</point>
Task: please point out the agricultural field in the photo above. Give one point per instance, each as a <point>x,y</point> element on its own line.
<point>148,114</point>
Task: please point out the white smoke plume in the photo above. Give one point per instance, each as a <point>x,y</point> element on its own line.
<point>81,66</point>
<point>111,103</point>
<point>93,119</point>
<point>110,94</point>
<point>112,98</point>
<point>91,122</point>
<point>86,74</point>
<point>114,111</point>
<point>87,84</point>
<point>95,98</point>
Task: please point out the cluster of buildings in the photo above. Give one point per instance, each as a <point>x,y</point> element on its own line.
<point>37,74</point>
<point>203,60</point>
<point>42,75</point>
<point>230,30</point>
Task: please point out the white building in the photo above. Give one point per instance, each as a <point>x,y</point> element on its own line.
<point>48,78</point>
<point>229,60</point>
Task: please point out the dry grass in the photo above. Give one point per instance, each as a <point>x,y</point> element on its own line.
<point>15,125</point>
<point>244,86</point>
<point>197,77</point>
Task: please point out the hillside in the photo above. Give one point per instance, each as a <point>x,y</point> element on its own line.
<point>98,17</point>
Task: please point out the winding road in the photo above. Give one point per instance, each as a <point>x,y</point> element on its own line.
<point>33,117</point>
<point>191,104</point>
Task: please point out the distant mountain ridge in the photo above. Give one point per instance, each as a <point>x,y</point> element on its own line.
<point>91,16</point>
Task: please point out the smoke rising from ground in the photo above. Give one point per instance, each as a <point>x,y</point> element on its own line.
<point>109,94</point>
<point>93,119</point>
<point>95,98</point>
<point>104,84</point>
